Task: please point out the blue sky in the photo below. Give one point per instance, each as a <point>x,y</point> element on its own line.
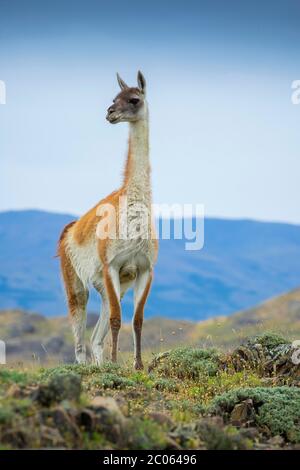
<point>223,129</point>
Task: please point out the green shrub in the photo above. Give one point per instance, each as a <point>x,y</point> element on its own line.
<point>83,370</point>
<point>268,340</point>
<point>218,438</point>
<point>167,385</point>
<point>189,363</point>
<point>6,415</point>
<point>146,434</point>
<point>277,409</point>
<point>183,410</point>
<point>111,380</point>
<point>12,409</point>
<point>222,382</point>
<point>62,385</point>
<point>13,376</point>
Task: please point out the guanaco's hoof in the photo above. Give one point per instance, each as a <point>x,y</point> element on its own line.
<point>138,365</point>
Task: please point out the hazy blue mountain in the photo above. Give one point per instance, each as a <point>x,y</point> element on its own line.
<point>242,263</point>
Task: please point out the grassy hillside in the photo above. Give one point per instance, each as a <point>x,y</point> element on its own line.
<point>205,386</point>
<point>281,315</point>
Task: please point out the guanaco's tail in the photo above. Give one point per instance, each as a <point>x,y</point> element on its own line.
<point>61,238</point>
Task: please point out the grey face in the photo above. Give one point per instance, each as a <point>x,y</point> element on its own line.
<point>129,105</point>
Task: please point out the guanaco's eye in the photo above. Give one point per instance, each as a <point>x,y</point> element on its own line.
<point>133,101</point>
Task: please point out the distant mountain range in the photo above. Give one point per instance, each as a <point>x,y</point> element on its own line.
<point>242,263</point>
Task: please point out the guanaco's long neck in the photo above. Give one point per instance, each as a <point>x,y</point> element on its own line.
<point>137,170</point>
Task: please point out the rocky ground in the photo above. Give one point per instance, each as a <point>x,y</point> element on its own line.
<point>188,398</point>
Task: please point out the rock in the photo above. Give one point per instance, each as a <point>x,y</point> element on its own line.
<point>17,438</point>
<point>105,403</point>
<point>250,433</point>
<point>108,418</point>
<point>50,437</point>
<point>242,412</point>
<point>122,403</point>
<point>58,418</point>
<point>276,441</point>
<point>64,423</point>
<point>271,355</point>
<point>85,419</point>
<point>171,444</point>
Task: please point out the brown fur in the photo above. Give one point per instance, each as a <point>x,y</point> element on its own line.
<point>115,312</point>
<point>138,324</point>
<point>62,236</point>
<point>76,294</point>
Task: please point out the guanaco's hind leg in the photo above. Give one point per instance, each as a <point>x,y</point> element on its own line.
<point>101,328</point>
<point>77,297</point>
<point>141,291</point>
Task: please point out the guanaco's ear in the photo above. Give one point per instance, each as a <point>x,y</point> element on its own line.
<point>141,82</point>
<point>121,82</point>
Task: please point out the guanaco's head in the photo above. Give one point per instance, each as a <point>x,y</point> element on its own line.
<point>130,104</point>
